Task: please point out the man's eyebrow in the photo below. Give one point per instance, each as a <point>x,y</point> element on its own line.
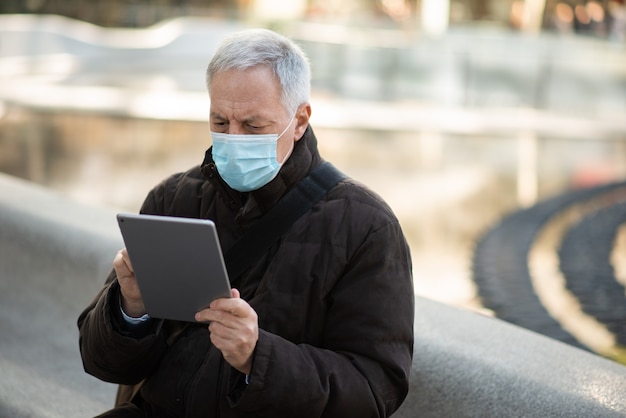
<point>247,119</point>
<point>257,119</point>
<point>215,115</point>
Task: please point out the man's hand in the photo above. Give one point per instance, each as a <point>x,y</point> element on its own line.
<point>234,329</point>
<point>131,300</point>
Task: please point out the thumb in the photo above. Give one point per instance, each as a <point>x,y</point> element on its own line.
<point>235,293</point>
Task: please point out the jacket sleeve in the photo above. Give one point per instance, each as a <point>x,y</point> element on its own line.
<point>109,350</point>
<point>362,367</point>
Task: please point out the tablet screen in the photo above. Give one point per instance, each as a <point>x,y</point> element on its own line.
<point>178,263</point>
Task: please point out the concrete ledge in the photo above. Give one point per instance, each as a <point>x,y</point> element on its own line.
<point>468,365</point>
<point>56,253</point>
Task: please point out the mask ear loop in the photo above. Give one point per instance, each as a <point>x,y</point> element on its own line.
<point>292,141</point>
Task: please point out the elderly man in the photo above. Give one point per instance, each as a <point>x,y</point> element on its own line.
<point>321,325</point>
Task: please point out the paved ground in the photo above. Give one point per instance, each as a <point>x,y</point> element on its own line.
<point>557,267</point>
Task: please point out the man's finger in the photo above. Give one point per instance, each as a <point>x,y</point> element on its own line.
<point>126,260</point>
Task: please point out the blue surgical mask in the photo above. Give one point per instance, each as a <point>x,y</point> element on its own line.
<point>247,162</point>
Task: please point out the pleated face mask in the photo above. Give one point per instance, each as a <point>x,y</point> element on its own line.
<point>247,162</point>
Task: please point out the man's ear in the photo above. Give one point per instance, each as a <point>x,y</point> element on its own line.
<point>303,114</point>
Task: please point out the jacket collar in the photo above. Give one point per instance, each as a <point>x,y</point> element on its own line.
<point>251,205</point>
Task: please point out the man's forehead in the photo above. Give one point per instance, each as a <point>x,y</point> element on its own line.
<point>246,111</point>
<point>246,94</point>
<point>259,76</point>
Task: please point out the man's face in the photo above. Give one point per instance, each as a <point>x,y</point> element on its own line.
<point>245,102</point>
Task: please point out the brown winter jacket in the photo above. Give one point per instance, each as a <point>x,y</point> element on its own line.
<point>334,298</point>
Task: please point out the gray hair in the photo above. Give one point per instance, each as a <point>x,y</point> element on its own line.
<point>254,47</point>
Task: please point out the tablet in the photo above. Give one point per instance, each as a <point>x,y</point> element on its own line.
<point>178,263</point>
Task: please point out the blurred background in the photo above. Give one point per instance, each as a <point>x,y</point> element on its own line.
<point>457,112</point>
